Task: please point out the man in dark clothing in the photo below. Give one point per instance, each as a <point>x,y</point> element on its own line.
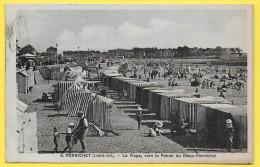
<point>82,129</point>
<point>139,117</point>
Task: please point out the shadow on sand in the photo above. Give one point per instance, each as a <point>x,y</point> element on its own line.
<point>57,115</point>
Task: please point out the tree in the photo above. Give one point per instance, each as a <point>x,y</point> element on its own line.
<point>27,49</point>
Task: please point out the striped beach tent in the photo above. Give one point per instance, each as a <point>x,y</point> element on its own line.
<point>61,88</point>
<point>94,109</point>
<point>99,114</point>
<point>81,102</point>
<point>68,96</point>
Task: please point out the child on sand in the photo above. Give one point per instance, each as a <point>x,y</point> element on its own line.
<point>69,134</point>
<point>56,136</point>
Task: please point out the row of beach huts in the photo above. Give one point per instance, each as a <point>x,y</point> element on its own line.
<point>206,115</point>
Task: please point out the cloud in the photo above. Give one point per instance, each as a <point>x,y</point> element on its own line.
<point>42,30</point>
<point>236,35</point>
<point>159,32</point>
<point>32,29</point>
<point>90,37</point>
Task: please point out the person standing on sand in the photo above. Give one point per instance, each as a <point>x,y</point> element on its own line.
<point>229,134</point>
<point>125,94</point>
<point>82,129</point>
<point>139,117</point>
<point>197,90</point>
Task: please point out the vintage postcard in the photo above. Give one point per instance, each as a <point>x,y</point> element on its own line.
<point>129,83</point>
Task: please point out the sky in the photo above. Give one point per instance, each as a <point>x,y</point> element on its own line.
<point>110,29</point>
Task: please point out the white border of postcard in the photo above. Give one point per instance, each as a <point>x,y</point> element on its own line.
<point>10,147</point>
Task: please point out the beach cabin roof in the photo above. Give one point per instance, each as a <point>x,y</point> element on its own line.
<point>175,94</point>
<point>21,106</point>
<point>23,72</point>
<point>154,87</point>
<point>167,90</point>
<point>143,83</point>
<point>124,78</point>
<point>113,74</point>
<point>228,108</point>
<point>207,99</point>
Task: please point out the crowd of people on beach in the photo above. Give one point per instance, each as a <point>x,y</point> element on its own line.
<point>155,71</point>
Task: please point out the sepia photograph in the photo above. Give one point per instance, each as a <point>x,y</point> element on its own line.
<point>129,83</point>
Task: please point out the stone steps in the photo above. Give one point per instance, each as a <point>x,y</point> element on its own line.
<point>135,110</point>
<point>124,102</point>
<point>128,106</point>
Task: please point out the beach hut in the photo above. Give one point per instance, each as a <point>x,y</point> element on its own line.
<point>22,79</point>
<point>138,89</point>
<point>26,129</point>
<point>121,83</point>
<point>188,107</point>
<point>211,123</point>
<point>116,83</point>
<point>151,97</point>
<point>155,99</point>
<point>131,88</point>
<point>145,95</point>
<point>25,80</point>
<point>166,111</point>
<point>108,78</point>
